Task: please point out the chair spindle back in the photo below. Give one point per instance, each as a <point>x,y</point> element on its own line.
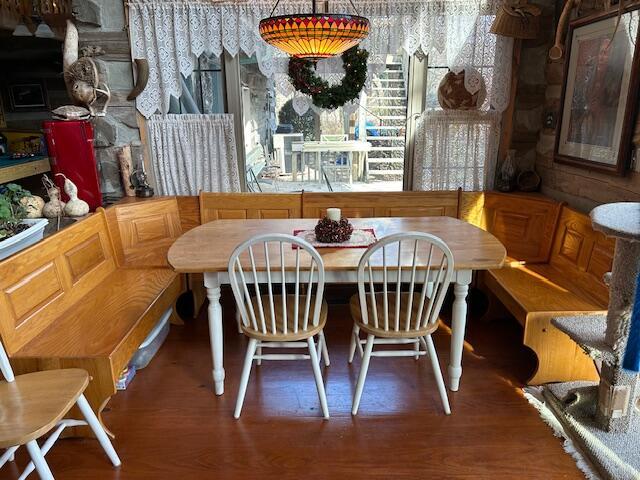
<point>420,262</point>
<point>290,265</point>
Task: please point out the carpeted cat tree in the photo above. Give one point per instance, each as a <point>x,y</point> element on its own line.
<point>603,420</point>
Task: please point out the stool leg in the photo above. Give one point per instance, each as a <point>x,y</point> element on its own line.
<point>38,460</point>
<point>99,432</point>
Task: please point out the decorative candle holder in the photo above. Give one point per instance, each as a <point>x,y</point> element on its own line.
<point>332,231</point>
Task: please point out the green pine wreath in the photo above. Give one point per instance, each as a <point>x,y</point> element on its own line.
<point>304,79</point>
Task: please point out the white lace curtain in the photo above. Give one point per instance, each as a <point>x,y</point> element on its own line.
<point>456,149</point>
<point>192,153</point>
<point>172,34</point>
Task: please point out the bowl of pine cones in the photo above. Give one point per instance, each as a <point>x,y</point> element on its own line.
<point>332,231</point>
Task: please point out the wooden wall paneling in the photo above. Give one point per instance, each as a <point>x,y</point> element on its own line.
<point>189,208</point>
<point>381,204</point>
<point>229,206</point>
<point>582,253</point>
<point>525,224</point>
<point>471,208</point>
<point>48,278</point>
<point>147,230</point>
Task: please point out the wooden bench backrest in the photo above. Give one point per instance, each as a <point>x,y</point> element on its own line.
<point>525,224</point>
<point>143,231</point>
<point>39,283</point>
<point>582,254</point>
<point>381,204</point>
<point>226,206</point>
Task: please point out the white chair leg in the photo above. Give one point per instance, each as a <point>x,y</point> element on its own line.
<point>416,346</point>
<point>244,379</point>
<point>318,376</point>
<point>355,340</point>
<point>98,431</point>
<point>239,320</point>
<point>438,374</point>
<point>38,460</point>
<point>9,455</point>
<point>325,350</point>
<point>363,374</point>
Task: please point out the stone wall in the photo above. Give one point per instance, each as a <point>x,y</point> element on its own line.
<point>101,23</point>
<point>539,90</point>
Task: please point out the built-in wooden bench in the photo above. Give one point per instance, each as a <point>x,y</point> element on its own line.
<point>89,295</point>
<point>557,264</point>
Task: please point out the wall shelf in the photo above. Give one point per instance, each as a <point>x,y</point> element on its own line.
<point>11,171</point>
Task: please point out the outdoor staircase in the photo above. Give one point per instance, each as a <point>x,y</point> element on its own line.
<point>387,109</point>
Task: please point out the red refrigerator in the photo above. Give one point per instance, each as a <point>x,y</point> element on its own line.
<point>70,146</point>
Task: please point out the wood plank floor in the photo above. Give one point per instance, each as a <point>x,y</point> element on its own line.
<point>169,425</point>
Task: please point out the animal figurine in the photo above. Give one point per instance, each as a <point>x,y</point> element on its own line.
<point>81,75</point>
<point>54,207</point>
<point>74,207</point>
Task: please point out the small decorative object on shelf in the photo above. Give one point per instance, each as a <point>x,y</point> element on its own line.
<point>463,90</point>
<point>528,181</point>
<point>506,180</point>
<point>333,228</point>
<point>143,189</point>
<point>54,208</point>
<point>74,207</point>
<point>33,206</point>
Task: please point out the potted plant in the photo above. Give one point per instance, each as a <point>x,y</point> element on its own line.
<point>17,231</point>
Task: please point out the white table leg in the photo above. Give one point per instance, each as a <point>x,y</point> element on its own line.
<point>458,324</point>
<point>212,284</point>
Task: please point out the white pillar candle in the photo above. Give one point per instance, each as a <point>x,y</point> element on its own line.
<point>334,214</point>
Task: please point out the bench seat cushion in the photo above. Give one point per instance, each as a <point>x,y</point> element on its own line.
<point>539,289</point>
<point>127,303</point>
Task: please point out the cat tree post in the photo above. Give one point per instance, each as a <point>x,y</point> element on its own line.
<point>619,389</point>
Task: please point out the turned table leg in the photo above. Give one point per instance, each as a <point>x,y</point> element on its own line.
<point>458,325</point>
<point>212,283</point>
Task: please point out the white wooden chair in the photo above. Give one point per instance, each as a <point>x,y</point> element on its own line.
<point>423,265</point>
<point>280,319</point>
<point>34,404</point>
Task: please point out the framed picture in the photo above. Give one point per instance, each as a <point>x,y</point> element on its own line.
<point>600,93</point>
<point>27,96</point>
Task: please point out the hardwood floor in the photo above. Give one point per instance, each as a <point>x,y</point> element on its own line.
<point>169,425</point>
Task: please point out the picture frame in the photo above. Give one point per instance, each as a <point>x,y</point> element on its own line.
<point>599,101</point>
<point>27,96</point>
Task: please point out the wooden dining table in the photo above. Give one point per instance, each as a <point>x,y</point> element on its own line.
<point>206,249</point>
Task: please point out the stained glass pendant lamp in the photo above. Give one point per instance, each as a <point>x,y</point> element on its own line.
<point>314,35</point>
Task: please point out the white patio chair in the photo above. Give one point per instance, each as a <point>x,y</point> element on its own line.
<point>423,265</point>
<point>280,319</point>
<point>34,404</point>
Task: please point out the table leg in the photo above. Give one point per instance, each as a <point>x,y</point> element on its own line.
<point>212,284</point>
<point>458,324</point>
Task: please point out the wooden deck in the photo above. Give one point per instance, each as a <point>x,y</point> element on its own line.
<point>170,425</point>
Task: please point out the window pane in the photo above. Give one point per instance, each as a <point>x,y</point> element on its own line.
<point>348,149</point>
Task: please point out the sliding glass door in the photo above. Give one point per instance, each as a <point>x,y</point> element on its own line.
<point>290,145</point>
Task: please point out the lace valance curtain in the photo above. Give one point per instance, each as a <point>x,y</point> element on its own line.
<point>171,35</point>
<point>191,153</point>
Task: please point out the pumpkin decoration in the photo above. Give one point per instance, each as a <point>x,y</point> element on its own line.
<point>456,92</point>
<point>33,205</point>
